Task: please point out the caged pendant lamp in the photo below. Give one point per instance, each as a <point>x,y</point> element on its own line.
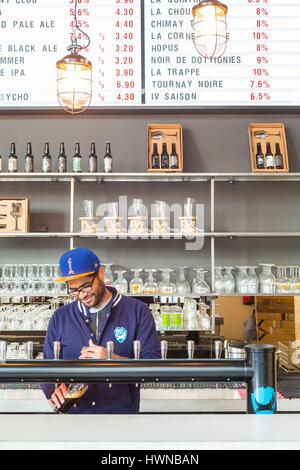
<point>74,74</point>
<point>210,28</point>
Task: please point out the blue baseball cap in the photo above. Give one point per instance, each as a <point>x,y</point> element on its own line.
<point>77,263</point>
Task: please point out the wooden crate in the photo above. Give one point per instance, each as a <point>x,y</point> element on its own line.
<point>277,319</point>
<point>169,134</point>
<point>270,128</point>
<point>14,215</point>
<point>288,358</point>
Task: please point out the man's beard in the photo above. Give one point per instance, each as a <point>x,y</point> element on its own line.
<point>97,296</point>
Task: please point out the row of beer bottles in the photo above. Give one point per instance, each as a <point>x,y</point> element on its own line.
<point>77,163</point>
<point>269,161</point>
<point>164,160</point>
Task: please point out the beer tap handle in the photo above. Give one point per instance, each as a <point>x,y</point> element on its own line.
<point>3,349</point>
<point>110,349</point>
<point>56,349</point>
<point>191,349</point>
<point>218,349</point>
<point>137,349</point>
<point>164,349</point>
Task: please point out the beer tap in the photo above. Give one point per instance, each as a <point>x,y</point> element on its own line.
<point>164,349</point>
<point>29,350</point>
<point>137,349</point>
<point>56,349</point>
<point>136,352</point>
<point>56,352</point>
<point>3,349</point>
<point>218,349</point>
<point>110,351</point>
<point>226,344</point>
<point>191,349</point>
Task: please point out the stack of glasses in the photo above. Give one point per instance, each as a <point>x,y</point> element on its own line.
<point>151,286</point>
<point>177,318</point>
<point>24,280</point>
<point>246,280</point>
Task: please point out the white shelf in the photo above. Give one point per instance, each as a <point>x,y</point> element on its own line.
<point>168,236</point>
<point>148,177</point>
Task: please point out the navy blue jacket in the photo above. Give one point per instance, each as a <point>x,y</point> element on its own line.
<point>128,320</point>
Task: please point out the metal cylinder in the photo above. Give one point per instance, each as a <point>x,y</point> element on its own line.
<point>191,349</point>
<point>218,349</point>
<point>56,349</point>
<point>3,349</point>
<point>110,349</point>
<point>29,350</point>
<point>261,388</point>
<point>164,349</point>
<point>137,349</point>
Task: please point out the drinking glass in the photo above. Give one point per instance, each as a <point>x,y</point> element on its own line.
<point>182,286</point>
<point>267,279</point>
<point>108,276</point>
<point>120,283</point>
<point>253,281</point>
<point>136,284</point>
<point>219,280</point>
<point>189,207</point>
<point>165,314</point>
<point>229,281</point>
<point>242,280</point>
<point>203,317</point>
<point>190,316</point>
<point>2,280</point>
<point>150,286</point>
<point>293,281</point>
<point>200,286</point>
<point>166,286</point>
<point>137,207</point>
<point>176,318</point>
<point>156,315</point>
<point>281,284</point>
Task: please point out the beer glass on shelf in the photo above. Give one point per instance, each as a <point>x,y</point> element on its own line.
<point>242,280</point>
<point>121,283</point>
<point>190,315</point>
<point>229,281</point>
<point>166,286</point>
<point>108,276</point>
<point>182,286</point>
<point>267,279</point>
<point>219,280</point>
<point>253,282</point>
<point>156,315</point>
<point>165,314</point>
<point>2,281</point>
<point>150,286</point>
<point>136,284</point>
<point>293,279</point>
<point>281,283</point>
<point>176,318</point>
<point>200,286</point>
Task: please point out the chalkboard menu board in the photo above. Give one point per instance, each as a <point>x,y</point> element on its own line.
<point>143,53</point>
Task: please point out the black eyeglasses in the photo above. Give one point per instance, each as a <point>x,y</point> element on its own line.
<point>85,288</point>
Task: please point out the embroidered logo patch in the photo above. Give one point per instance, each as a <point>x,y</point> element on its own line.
<point>120,334</point>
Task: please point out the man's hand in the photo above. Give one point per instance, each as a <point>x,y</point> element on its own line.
<point>92,351</point>
<point>57,397</point>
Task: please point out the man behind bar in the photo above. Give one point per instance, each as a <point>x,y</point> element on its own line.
<point>98,314</point>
